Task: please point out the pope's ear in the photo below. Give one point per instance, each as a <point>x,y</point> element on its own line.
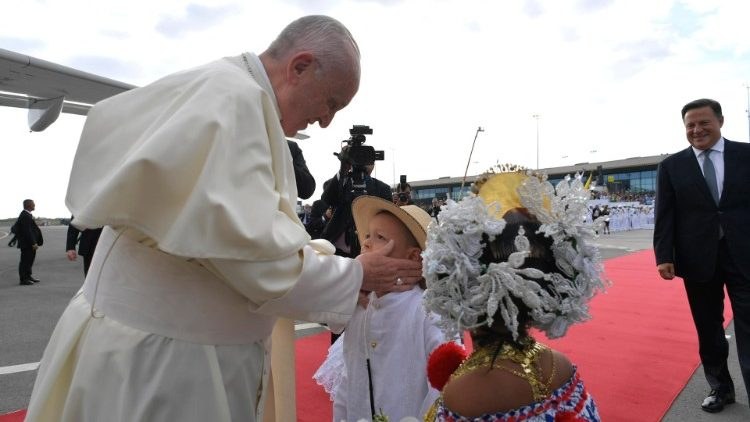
<point>300,63</point>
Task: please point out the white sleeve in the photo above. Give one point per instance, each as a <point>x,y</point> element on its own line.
<point>309,286</point>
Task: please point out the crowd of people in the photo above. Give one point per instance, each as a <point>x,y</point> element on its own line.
<point>622,217</point>
<point>203,264</point>
<point>642,197</point>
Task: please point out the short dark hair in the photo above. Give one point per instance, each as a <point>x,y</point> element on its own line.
<point>27,203</point>
<point>703,102</point>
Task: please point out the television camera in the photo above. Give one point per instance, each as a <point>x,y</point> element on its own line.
<point>357,157</point>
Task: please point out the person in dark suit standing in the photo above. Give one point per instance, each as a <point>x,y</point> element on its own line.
<point>702,235</point>
<point>29,238</point>
<point>338,193</point>
<point>86,241</point>
<point>302,176</point>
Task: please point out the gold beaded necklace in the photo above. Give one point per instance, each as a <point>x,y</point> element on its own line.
<point>528,358</point>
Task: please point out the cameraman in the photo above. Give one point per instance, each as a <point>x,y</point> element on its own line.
<point>403,195</point>
<point>339,194</point>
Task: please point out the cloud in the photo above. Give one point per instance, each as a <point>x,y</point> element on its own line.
<point>196,18</point>
<point>683,21</point>
<point>593,5</point>
<point>639,55</point>
<point>111,33</point>
<point>112,68</point>
<point>532,8</point>
<point>24,46</point>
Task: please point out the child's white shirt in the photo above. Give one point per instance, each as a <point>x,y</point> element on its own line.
<point>398,335</point>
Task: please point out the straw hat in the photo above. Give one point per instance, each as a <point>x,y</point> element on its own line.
<point>364,208</point>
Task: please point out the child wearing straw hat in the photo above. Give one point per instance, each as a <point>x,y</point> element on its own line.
<point>378,366</point>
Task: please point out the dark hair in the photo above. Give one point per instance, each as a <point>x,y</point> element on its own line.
<point>498,250</point>
<point>703,102</point>
<point>27,203</point>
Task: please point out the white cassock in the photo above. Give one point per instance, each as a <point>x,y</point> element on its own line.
<point>202,251</point>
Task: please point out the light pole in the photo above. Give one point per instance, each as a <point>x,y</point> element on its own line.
<point>747,87</point>
<point>393,165</point>
<point>536,117</point>
<point>479,129</point>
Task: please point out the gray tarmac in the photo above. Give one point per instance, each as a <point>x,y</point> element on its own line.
<point>28,315</point>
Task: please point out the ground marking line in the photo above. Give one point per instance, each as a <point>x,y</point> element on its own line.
<point>24,367</point>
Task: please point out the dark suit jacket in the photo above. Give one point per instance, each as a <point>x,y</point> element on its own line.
<point>86,242</point>
<point>27,232</point>
<point>317,223</point>
<point>336,196</point>
<point>686,232</point>
<point>305,180</point>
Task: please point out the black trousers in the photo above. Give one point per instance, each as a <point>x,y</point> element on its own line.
<point>27,260</point>
<point>706,298</point>
<point>87,263</point>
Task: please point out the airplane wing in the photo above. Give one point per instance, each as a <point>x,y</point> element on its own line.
<point>47,89</point>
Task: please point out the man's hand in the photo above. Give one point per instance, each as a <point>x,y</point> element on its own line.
<point>384,274</point>
<point>71,255</point>
<point>34,246</point>
<point>666,270</point>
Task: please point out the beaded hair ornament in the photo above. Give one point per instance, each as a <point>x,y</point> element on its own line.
<point>467,294</point>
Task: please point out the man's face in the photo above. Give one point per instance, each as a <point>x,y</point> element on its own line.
<point>31,206</point>
<point>309,97</point>
<point>702,127</point>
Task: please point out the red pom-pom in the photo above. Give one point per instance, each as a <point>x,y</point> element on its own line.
<point>443,361</point>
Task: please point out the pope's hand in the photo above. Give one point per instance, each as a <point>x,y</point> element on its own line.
<point>384,274</point>
<point>666,270</point>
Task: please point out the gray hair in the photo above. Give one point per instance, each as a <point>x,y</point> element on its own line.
<point>328,39</point>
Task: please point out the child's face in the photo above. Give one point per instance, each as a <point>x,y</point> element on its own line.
<point>384,227</point>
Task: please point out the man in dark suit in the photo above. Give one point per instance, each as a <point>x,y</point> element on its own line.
<point>302,176</point>
<point>86,241</point>
<point>29,238</point>
<point>338,193</point>
<point>702,235</point>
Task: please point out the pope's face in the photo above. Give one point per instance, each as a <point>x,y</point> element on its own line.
<point>312,97</point>
<point>702,127</point>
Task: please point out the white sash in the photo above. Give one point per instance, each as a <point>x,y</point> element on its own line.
<point>155,292</point>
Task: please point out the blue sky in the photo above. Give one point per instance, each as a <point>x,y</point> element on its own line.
<point>608,76</point>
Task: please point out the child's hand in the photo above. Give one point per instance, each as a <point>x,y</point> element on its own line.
<point>364,299</point>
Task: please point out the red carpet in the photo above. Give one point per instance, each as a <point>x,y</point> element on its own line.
<point>313,403</point>
<point>640,348</point>
<point>16,416</point>
<point>635,355</point>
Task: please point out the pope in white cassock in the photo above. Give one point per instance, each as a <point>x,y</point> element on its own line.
<point>202,249</point>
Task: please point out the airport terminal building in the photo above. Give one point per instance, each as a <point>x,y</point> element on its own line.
<point>630,176</point>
